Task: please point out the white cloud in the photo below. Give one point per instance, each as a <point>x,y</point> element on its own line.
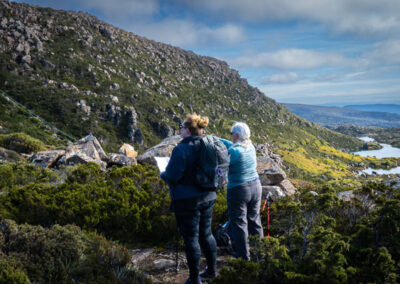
<point>187,33</point>
<point>367,17</point>
<point>326,92</point>
<point>387,52</point>
<point>292,59</point>
<point>285,78</point>
<point>121,8</point>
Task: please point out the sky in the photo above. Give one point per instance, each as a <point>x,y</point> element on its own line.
<point>319,52</point>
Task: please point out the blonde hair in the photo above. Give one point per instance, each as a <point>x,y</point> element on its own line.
<point>196,124</point>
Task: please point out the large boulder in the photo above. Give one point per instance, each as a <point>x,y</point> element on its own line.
<point>163,149</point>
<point>127,150</point>
<point>46,159</point>
<point>269,171</point>
<point>287,187</point>
<point>120,160</point>
<point>264,150</point>
<point>88,149</point>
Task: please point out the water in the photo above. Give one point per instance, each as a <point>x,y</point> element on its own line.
<point>386,152</point>
<point>381,172</point>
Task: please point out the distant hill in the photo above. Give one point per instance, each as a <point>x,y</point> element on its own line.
<point>376,108</point>
<point>336,116</point>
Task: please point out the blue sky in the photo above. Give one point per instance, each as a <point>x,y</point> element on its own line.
<point>333,52</point>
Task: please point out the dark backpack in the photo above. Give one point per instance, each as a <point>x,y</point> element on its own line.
<point>213,165</point>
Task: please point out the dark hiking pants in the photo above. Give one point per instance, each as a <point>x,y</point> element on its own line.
<point>195,226</point>
<point>244,215</point>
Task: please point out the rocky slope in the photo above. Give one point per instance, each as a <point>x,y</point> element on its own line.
<point>81,75</point>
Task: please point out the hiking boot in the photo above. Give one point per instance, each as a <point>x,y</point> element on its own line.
<point>206,274</point>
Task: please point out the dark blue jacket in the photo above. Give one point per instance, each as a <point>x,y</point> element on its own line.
<point>180,171</point>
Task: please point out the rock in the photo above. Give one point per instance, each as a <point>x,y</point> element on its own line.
<point>20,47</point>
<point>3,154</point>
<point>394,182</point>
<point>163,149</point>
<point>270,173</point>
<point>287,187</point>
<point>106,32</point>
<point>114,87</point>
<point>275,191</point>
<point>166,131</point>
<point>46,159</point>
<point>80,158</point>
<point>163,263</point>
<point>88,149</point>
<point>26,59</point>
<point>39,45</point>
<point>85,108</point>
<point>132,120</point>
<point>47,64</point>
<point>264,164</point>
<point>127,150</point>
<point>346,195</point>
<point>114,114</point>
<point>120,160</point>
<point>140,255</point>
<point>139,136</point>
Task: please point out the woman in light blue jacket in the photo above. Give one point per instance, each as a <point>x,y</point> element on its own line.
<point>244,190</point>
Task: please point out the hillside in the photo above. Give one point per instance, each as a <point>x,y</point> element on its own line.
<point>376,108</point>
<point>336,116</point>
<point>81,75</point>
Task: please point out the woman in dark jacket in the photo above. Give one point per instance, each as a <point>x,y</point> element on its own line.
<point>192,206</point>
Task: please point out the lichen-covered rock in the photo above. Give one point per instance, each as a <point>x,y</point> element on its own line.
<point>287,187</point>
<point>270,173</point>
<point>163,149</point>
<point>88,149</point>
<point>46,159</point>
<point>127,150</point>
<point>120,160</point>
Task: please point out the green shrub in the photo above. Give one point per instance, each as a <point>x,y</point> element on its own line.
<point>11,272</point>
<point>21,143</point>
<point>129,204</point>
<point>64,255</point>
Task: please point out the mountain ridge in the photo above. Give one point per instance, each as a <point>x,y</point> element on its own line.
<point>336,116</point>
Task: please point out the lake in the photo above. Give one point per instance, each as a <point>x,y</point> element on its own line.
<point>386,152</point>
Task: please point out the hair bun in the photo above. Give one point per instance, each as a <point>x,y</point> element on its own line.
<point>203,122</point>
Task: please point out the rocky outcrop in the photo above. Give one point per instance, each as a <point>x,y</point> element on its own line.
<point>120,160</point>
<point>134,133</point>
<point>88,149</point>
<point>46,159</point>
<point>163,149</point>
<point>270,173</point>
<point>272,177</point>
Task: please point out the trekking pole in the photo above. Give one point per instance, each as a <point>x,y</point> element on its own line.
<point>268,201</point>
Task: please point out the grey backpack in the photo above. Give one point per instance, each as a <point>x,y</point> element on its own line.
<point>213,165</point>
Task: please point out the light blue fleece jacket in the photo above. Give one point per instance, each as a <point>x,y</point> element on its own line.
<point>243,163</point>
